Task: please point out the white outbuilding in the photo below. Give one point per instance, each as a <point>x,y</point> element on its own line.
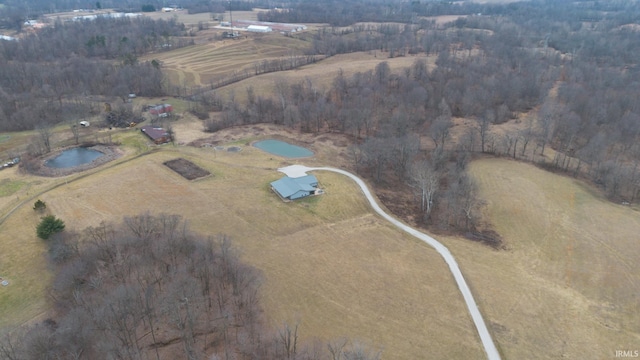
<point>259,28</point>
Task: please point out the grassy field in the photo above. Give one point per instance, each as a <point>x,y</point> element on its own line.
<point>568,285</point>
<point>322,73</point>
<point>204,63</point>
<point>198,65</point>
<point>327,262</point>
<point>193,19</point>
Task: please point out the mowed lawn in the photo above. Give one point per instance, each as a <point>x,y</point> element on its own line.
<point>568,286</point>
<point>327,262</point>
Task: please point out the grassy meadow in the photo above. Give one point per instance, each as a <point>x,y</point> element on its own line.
<point>199,65</point>
<point>567,287</point>
<point>322,73</point>
<point>327,262</point>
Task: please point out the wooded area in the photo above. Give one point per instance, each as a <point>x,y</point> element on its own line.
<point>62,72</point>
<point>151,288</point>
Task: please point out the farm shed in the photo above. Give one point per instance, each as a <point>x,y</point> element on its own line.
<point>161,109</point>
<point>295,188</point>
<point>258,28</point>
<point>158,135</point>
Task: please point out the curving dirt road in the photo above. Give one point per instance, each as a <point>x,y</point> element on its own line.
<point>485,336</point>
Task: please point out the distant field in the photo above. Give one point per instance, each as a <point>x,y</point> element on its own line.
<point>443,19</point>
<point>193,19</point>
<point>12,143</point>
<point>182,15</point>
<point>198,65</point>
<point>322,73</point>
<point>204,63</point>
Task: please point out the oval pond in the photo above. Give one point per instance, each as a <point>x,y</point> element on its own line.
<point>73,157</point>
<point>282,148</point>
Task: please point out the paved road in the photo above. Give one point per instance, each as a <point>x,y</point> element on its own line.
<point>485,336</point>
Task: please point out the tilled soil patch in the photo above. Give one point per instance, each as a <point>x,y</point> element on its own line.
<point>186,168</point>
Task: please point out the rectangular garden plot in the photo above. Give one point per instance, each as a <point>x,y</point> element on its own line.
<point>186,168</point>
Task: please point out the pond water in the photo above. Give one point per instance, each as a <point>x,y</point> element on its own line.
<point>282,148</point>
<point>73,157</point>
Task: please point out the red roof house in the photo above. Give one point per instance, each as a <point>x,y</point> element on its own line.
<point>157,134</point>
<point>161,109</point>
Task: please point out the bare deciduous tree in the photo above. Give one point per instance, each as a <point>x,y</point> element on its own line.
<point>483,128</point>
<point>427,181</point>
<point>45,133</point>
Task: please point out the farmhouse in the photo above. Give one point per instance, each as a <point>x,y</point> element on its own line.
<point>158,135</point>
<point>295,188</point>
<point>161,109</point>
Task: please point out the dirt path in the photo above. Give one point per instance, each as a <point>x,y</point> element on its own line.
<point>483,331</point>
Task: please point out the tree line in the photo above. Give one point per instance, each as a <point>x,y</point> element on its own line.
<point>149,288</point>
<point>54,75</point>
<point>344,13</point>
<point>102,38</point>
<point>38,94</point>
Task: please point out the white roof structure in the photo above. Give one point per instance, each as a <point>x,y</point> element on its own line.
<point>294,171</point>
<point>107,15</point>
<point>258,28</point>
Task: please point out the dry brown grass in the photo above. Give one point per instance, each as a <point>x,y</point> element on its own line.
<point>21,263</point>
<point>568,285</point>
<point>443,19</point>
<point>322,73</point>
<point>199,65</point>
<point>327,261</point>
<point>183,16</point>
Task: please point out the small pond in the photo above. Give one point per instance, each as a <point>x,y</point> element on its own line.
<point>282,148</point>
<point>73,157</point>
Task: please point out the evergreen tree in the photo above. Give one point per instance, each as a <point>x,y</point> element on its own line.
<point>48,226</point>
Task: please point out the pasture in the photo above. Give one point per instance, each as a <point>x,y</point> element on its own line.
<point>328,263</point>
<point>183,16</point>
<point>200,65</point>
<point>564,287</point>
<point>322,73</point>
<point>567,287</point>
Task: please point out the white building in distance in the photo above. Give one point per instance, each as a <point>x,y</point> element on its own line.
<point>259,28</point>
